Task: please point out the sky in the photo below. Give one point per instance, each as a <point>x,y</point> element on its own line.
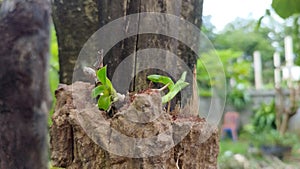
<point>225,11</point>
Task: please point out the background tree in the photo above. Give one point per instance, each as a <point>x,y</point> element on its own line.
<point>24,31</point>
<point>237,71</point>
<point>235,46</point>
<point>208,28</point>
<point>290,11</point>
<point>241,35</point>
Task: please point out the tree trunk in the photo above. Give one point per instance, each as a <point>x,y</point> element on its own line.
<point>285,112</point>
<point>73,145</point>
<point>190,10</point>
<point>75,22</point>
<point>87,16</point>
<point>24,101</point>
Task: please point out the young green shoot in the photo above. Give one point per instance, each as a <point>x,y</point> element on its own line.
<point>106,92</point>
<point>173,88</point>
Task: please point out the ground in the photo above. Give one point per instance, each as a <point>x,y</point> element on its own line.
<point>238,155</point>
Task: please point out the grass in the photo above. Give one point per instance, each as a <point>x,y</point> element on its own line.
<point>236,147</point>
<point>227,158</point>
<point>229,147</point>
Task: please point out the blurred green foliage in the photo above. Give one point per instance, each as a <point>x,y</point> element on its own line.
<point>53,69</point>
<point>264,117</point>
<point>235,46</point>
<point>238,98</point>
<point>241,35</point>
<point>263,128</point>
<point>273,137</point>
<point>237,72</point>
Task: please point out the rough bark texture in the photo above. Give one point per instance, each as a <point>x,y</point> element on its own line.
<point>73,149</point>
<point>87,16</point>
<point>75,22</point>
<point>110,10</point>
<point>190,10</point>
<point>24,46</point>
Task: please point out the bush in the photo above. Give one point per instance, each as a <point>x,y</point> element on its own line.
<point>264,118</point>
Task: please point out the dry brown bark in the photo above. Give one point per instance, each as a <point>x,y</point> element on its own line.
<point>24,46</point>
<point>72,148</point>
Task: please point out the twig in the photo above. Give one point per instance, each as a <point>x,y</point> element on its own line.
<point>163,88</point>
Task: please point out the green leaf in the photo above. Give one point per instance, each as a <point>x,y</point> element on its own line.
<point>98,90</point>
<point>104,102</point>
<point>106,90</point>
<point>183,76</point>
<point>110,86</point>
<point>101,74</point>
<point>172,93</point>
<point>173,88</point>
<point>162,79</point>
<point>286,8</point>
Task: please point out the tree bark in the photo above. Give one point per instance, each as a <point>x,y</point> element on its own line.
<point>24,101</point>
<point>87,16</point>
<point>190,10</point>
<point>72,148</point>
<point>75,22</point>
<point>110,10</point>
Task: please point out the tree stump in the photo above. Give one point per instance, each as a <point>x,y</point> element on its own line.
<point>73,145</point>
